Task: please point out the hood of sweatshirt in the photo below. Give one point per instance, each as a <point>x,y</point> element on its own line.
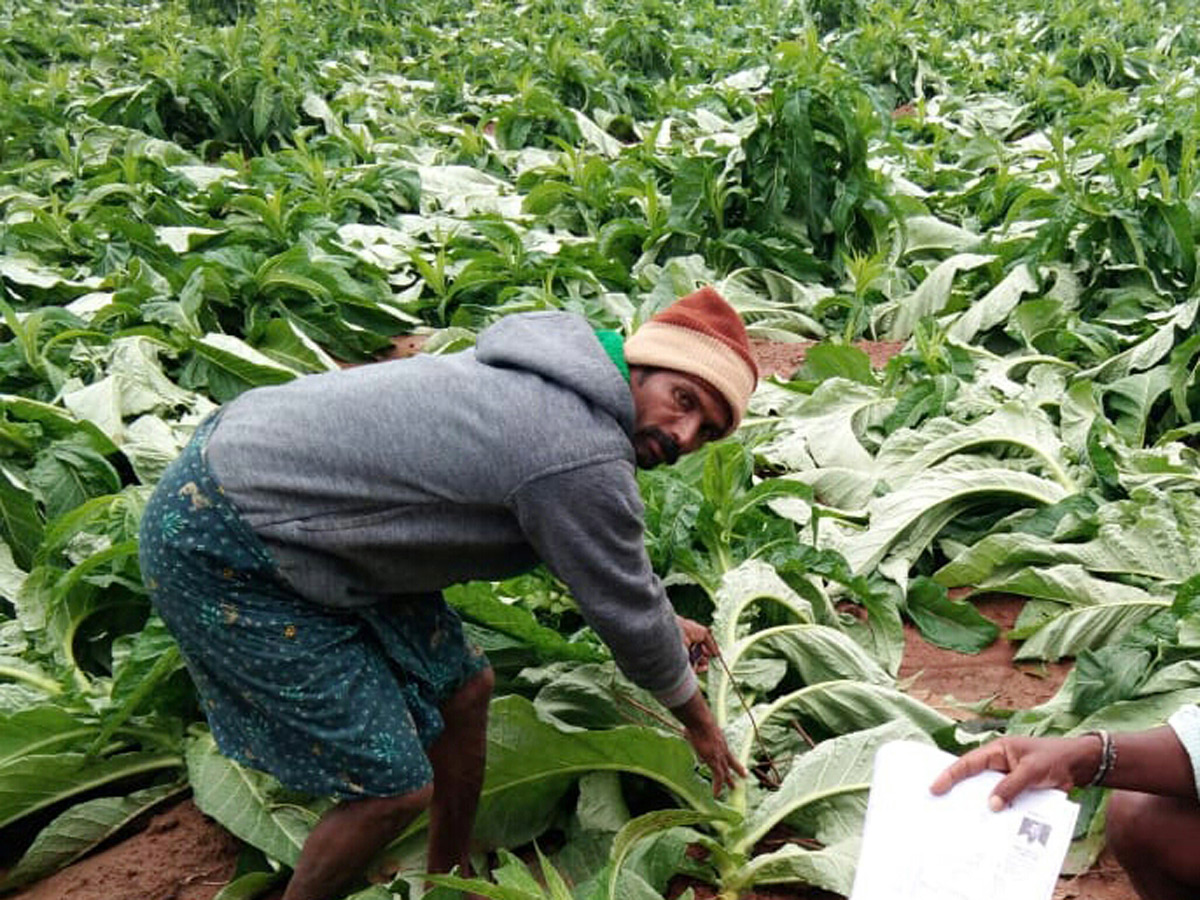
<point>562,348</point>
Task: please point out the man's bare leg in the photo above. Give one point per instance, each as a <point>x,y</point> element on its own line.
<point>458,757</point>
<point>338,850</point>
<point>1155,840</point>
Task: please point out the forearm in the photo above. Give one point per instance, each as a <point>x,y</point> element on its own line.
<point>694,712</point>
<point>1153,762</point>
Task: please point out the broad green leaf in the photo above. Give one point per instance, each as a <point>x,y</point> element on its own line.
<point>82,828</point>
<point>141,666</point>
<point>1138,715</point>
<point>151,444</point>
<point>19,518</point>
<point>185,238</point>
<point>1087,628</point>
<point>894,514</point>
<point>1149,351</point>
<point>27,273</point>
<point>831,867</point>
<point>931,233</point>
<point>601,805</point>
<point>478,886</point>
<point>555,884</point>
<point>824,361</point>
<point>514,873</point>
<point>58,422</point>
<point>995,306</point>
<point>929,298</point>
<point>848,490</point>
<point>478,603</point>
<point>1178,676</point>
<point>817,653</point>
<point>230,366</point>
<point>1067,583</point>
<point>1154,534</point>
<point>531,764</point>
<point>244,802</point>
<point>61,602</point>
<point>951,624</point>
<point>291,348</point>
<point>1108,675</point>
<point>589,696</point>
<point>32,783</point>
<point>523,750</point>
<point>840,707</point>
<point>1131,399</point>
<point>135,384</point>
<point>824,429</point>
<point>69,472</point>
<point>11,575</point>
<point>462,191</point>
<point>773,305</point>
<point>642,827</point>
<point>837,766</point>
<point>249,886</point>
<point>1078,411</point>
<point>1015,425</point>
<point>42,731</point>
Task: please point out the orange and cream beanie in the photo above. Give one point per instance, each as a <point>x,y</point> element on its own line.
<point>701,335</point>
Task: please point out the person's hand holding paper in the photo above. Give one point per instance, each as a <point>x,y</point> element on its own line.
<point>953,846</point>
<point>1030,763</point>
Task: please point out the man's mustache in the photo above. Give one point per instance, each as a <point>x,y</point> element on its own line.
<point>667,443</point>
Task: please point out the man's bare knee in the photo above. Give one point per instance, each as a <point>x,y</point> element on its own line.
<point>1126,826</point>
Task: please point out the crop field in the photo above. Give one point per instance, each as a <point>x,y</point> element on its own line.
<point>198,197</point>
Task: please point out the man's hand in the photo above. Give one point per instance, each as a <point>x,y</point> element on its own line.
<point>708,741</point>
<point>1030,762</point>
<point>699,643</point>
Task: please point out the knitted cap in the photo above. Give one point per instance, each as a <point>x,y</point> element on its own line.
<point>701,335</point>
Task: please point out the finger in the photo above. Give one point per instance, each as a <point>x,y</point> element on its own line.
<point>737,766</point>
<point>990,757</point>
<point>719,778</point>
<point>1007,790</point>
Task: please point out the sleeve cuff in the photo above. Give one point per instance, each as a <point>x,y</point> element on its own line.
<point>1186,724</point>
<point>681,693</point>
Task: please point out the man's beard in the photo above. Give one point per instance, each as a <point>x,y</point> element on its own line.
<point>664,444</point>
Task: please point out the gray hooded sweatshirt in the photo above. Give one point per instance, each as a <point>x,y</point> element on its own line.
<point>405,477</point>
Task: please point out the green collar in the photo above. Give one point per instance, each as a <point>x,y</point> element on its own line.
<point>614,346</point>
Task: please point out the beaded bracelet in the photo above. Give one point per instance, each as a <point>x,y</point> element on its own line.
<point>1108,757</point>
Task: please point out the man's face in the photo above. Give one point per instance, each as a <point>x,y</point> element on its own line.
<point>675,413</point>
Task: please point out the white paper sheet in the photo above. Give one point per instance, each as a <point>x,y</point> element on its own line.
<point>920,847</point>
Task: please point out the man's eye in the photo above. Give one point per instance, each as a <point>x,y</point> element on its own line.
<point>683,398</point>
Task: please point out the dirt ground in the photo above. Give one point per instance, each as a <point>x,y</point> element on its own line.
<point>180,855</point>
<point>183,855</point>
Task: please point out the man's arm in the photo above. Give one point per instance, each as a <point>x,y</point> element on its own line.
<point>586,524</point>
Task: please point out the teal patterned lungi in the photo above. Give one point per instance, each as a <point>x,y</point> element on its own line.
<point>329,701</point>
